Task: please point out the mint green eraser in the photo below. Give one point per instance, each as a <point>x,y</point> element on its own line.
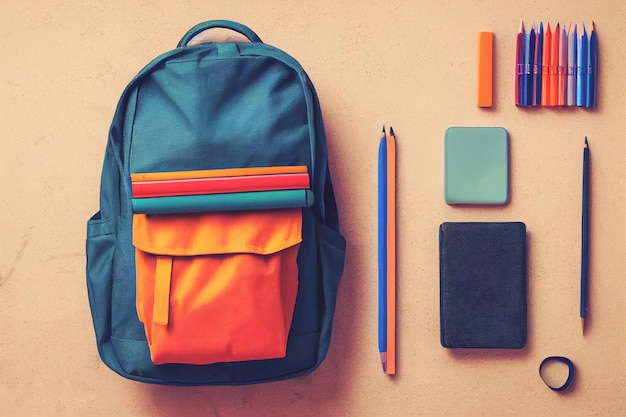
<point>476,165</point>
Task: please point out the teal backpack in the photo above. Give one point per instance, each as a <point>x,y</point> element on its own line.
<point>218,228</point>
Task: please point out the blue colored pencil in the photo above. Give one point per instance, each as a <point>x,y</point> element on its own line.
<point>584,268</point>
<point>382,250</point>
<point>526,69</point>
<point>530,63</point>
<point>538,66</point>
<point>592,65</point>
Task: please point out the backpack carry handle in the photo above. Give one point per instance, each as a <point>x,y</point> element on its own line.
<point>213,24</point>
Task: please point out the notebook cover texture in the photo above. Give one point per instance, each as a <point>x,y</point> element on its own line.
<point>483,289</point>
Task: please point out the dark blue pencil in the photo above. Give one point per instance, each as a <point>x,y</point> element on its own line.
<point>538,66</point>
<point>529,67</point>
<point>592,65</point>
<point>584,267</point>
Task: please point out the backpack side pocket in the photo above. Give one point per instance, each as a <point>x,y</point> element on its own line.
<point>100,246</point>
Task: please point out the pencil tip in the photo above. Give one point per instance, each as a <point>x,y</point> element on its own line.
<point>383,128</point>
<point>582,321</point>
<point>586,143</point>
<point>391,131</point>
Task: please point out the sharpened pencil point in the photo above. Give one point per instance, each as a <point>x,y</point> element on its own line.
<point>391,131</point>
<point>383,360</point>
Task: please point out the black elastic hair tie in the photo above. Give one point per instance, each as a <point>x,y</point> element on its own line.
<point>570,376</point>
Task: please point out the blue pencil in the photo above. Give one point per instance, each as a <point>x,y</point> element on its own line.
<point>592,65</point>
<point>382,250</point>
<point>530,63</point>
<point>526,71</point>
<point>584,268</point>
<point>538,66</point>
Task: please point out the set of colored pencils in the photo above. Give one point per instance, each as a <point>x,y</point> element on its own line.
<point>556,67</point>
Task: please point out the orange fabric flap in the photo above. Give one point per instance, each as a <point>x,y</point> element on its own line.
<point>262,232</point>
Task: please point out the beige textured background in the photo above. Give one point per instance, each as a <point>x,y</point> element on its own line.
<point>409,64</point>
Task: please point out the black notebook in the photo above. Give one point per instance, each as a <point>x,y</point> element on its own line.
<point>483,291</point>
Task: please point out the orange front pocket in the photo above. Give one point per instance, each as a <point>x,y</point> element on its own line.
<point>217,287</point>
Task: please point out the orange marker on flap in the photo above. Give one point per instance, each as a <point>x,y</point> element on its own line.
<point>485,69</point>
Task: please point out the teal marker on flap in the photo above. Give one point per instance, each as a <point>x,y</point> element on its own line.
<point>259,200</point>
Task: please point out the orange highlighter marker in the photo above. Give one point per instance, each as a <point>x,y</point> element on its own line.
<point>485,69</point>
<point>214,173</point>
<point>391,253</point>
